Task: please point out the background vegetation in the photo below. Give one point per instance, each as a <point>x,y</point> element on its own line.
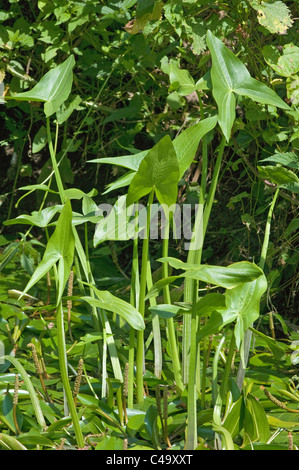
<point>142,72</point>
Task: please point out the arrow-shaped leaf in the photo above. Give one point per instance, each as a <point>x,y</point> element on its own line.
<point>53,88</point>
<point>228,277</point>
<point>159,170</point>
<point>60,249</point>
<point>229,75</point>
<point>110,302</point>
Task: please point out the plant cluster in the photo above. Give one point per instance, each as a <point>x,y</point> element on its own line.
<point>112,338</point>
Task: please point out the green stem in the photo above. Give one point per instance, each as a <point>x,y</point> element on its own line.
<point>54,162</point>
<point>140,334</point>
<point>191,295</point>
<point>33,396</point>
<point>134,294</point>
<point>248,333</point>
<point>191,435</point>
<point>64,376</point>
<point>156,327</point>
<point>170,323</point>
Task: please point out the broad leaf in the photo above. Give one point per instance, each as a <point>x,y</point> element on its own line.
<point>244,300</point>
<point>131,162</point>
<point>60,249</point>
<point>167,310</point>
<point>290,159</point>
<point>181,80</point>
<point>53,88</point>
<point>222,276</point>
<point>159,170</point>
<point>285,64</point>
<point>120,223</point>
<point>185,146</point>
<point>278,174</point>
<point>256,423</point>
<point>107,301</point>
<point>37,218</point>
<point>216,322</point>
<point>210,302</point>
<point>228,277</point>
<point>229,75</point>
<point>258,91</point>
<point>274,15</point>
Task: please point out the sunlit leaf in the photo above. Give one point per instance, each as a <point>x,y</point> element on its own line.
<point>159,170</point>
<point>60,249</point>
<point>229,76</point>
<point>53,88</point>
<point>273,15</point>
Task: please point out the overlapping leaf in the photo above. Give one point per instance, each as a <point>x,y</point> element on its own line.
<point>159,170</point>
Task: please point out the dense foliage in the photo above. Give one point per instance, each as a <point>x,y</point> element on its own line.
<point>116,342</point>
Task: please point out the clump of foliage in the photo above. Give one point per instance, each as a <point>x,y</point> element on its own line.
<point>115,341</point>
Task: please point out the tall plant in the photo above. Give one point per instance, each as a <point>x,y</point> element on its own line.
<point>155,173</point>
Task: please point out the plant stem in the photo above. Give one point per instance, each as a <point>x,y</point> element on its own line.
<point>54,162</point>
<point>170,323</point>
<point>191,295</point>
<point>143,276</point>
<point>156,327</point>
<point>33,397</point>
<point>134,300</point>
<point>64,376</point>
<point>248,333</point>
<point>191,436</point>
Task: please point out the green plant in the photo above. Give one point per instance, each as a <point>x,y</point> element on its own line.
<point>201,326</point>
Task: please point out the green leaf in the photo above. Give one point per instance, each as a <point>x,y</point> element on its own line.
<point>37,218</point>
<point>167,310</point>
<point>278,174</point>
<point>7,410</point>
<point>53,88</point>
<point>228,277</point>
<point>209,303</point>
<point>182,79</point>
<point>10,442</point>
<point>229,75</point>
<point>259,92</point>
<point>228,443</point>
<point>39,140</point>
<point>285,64</point>
<point>35,440</point>
<point>216,322</point>
<point>290,159</point>
<point>273,15</point>
<point>134,423</point>
<point>118,224</point>
<point>258,429</point>
<point>186,144</point>
<point>244,300</point>
<point>151,425</point>
<point>223,276</point>
<point>107,301</point>
<point>131,162</point>
<point>159,170</point>
<point>277,349</point>
<point>60,249</point>
<point>234,419</point>
<point>30,388</point>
